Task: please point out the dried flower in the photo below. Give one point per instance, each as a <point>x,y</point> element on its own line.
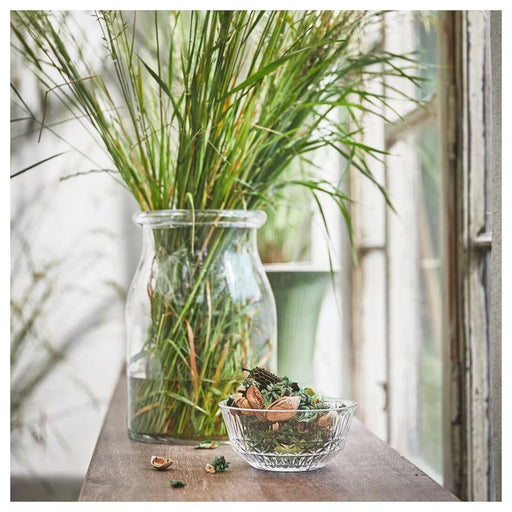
<point>279,427</point>
<point>263,376</point>
<point>218,465</point>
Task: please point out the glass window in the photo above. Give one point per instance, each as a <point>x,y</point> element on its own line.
<point>430,360</point>
<point>408,244</point>
<point>414,268</point>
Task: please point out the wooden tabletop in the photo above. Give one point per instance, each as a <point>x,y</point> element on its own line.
<point>367,470</point>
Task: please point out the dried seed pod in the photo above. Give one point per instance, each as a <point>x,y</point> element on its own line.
<point>327,420</point>
<point>242,403</point>
<point>264,377</point>
<point>255,398</point>
<point>301,427</point>
<point>238,400</point>
<point>288,404</point>
<point>161,463</point>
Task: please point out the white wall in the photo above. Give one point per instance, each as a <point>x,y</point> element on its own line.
<point>81,228</point>
<point>78,227</point>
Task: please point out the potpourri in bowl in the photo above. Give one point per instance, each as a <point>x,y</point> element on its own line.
<point>274,424</point>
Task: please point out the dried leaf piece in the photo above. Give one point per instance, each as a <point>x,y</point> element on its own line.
<point>177,483</point>
<point>206,445</point>
<point>288,404</point>
<point>161,463</point>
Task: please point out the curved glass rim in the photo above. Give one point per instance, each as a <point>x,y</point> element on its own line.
<point>347,405</point>
<point>219,218</point>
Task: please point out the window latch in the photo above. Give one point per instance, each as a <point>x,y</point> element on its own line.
<point>482,241</point>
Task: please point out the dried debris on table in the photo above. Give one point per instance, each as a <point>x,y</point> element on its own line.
<point>206,445</point>
<point>177,483</point>
<point>218,465</point>
<point>161,463</point>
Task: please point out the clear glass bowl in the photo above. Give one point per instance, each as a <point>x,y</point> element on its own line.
<point>289,440</point>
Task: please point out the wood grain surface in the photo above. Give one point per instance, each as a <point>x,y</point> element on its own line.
<point>367,470</point>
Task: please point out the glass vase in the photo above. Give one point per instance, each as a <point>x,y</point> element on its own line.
<point>199,309</point>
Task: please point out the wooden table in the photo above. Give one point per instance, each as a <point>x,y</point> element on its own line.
<point>367,470</point>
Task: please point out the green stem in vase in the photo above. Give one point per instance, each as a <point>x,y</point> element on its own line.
<point>199,344</point>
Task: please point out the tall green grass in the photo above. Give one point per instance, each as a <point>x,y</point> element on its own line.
<point>207,110</point>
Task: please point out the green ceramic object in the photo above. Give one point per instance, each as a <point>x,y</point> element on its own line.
<point>299,291</point>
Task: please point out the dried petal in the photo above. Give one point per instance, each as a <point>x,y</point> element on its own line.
<point>301,427</point>
<point>285,403</point>
<point>238,396</point>
<point>243,404</point>
<point>255,398</point>
<point>327,420</point>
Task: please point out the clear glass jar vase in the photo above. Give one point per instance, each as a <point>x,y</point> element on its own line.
<point>199,309</point>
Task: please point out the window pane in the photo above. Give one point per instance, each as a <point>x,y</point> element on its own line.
<point>426,44</point>
<point>414,299</point>
<point>430,371</point>
<point>412,252</point>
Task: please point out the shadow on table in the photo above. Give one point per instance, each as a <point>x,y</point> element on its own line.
<point>49,489</point>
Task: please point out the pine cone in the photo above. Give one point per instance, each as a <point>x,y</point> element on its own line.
<point>264,377</point>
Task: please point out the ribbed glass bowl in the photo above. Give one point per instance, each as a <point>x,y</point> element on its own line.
<point>289,440</point>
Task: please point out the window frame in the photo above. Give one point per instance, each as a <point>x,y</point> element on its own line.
<point>466,114</point>
<point>471,323</point>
